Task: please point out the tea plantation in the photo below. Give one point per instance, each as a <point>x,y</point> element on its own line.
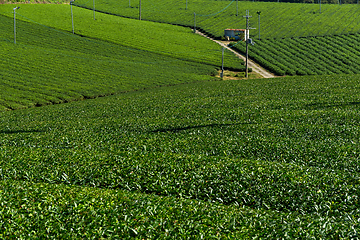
<point>61,67</point>
<point>164,39</point>
<point>289,32</point>
<point>308,56</point>
<point>160,149</point>
<point>241,159</point>
<point>278,20</point>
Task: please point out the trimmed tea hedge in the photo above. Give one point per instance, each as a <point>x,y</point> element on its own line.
<point>277,19</point>
<point>49,66</point>
<point>283,150</point>
<point>307,56</point>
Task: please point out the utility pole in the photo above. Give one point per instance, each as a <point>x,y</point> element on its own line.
<point>15,24</point>
<point>194,22</point>
<point>140,10</point>
<point>72,16</point>
<point>247,42</point>
<point>94,8</point>
<point>237,8</point>
<point>222,63</point>
<point>186,4</point>
<point>258,12</point>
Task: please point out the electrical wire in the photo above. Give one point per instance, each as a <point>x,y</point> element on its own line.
<point>110,45</point>
<point>214,14</point>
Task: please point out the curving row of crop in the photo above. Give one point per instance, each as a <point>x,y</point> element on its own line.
<point>138,37</point>
<point>313,56</point>
<point>278,20</point>
<point>248,183</point>
<point>61,211</point>
<point>307,56</point>
<point>37,78</point>
<point>49,66</point>
<point>283,149</point>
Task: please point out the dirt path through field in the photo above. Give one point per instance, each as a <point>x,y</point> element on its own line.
<point>256,68</point>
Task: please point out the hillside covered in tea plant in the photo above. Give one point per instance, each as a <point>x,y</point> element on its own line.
<point>278,19</point>
<point>48,64</point>
<point>307,56</point>
<point>271,158</point>
<point>162,149</point>
<point>294,38</point>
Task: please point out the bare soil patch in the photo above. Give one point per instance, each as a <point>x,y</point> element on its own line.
<point>231,75</point>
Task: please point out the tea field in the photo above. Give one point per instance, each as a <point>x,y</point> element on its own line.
<point>278,20</point>
<point>307,56</point>
<point>275,158</point>
<point>50,65</point>
<point>296,39</point>
<point>174,41</point>
<point>167,152</point>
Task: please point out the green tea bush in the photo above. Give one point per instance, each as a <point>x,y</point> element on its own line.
<point>60,211</point>
<point>168,40</point>
<point>49,66</point>
<point>268,152</point>
<point>278,19</point>
<point>306,56</point>
<point>272,159</point>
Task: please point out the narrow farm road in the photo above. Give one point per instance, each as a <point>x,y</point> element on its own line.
<point>255,67</point>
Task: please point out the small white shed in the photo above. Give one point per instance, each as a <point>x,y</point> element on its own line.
<point>238,34</point>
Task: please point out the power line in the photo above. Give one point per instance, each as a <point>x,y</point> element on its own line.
<point>170,54</point>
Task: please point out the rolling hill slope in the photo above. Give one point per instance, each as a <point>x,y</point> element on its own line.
<point>231,159</point>
<point>307,56</point>
<point>290,33</point>
<point>49,65</point>
<point>278,20</point>
<point>275,158</point>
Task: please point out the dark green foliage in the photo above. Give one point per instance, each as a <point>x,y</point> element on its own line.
<point>268,159</point>
<point>39,210</point>
<point>285,148</point>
